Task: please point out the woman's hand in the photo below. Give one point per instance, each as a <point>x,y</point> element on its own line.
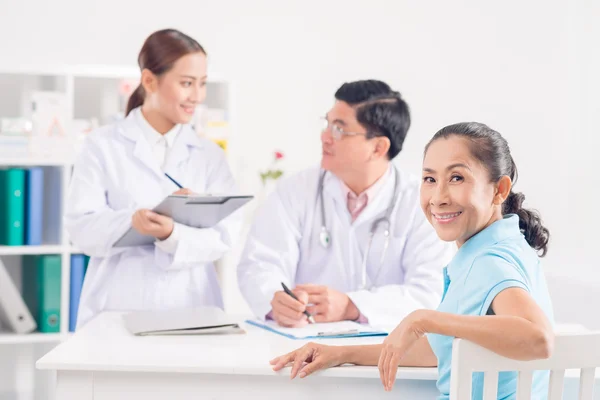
<point>148,222</point>
<point>183,191</point>
<point>397,345</point>
<point>316,356</point>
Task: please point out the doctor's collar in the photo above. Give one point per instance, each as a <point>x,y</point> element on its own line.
<point>131,129</point>
<point>152,134</point>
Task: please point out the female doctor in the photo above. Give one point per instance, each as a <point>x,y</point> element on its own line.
<point>127,168</point>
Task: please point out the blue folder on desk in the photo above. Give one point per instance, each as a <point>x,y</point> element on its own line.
<point>332,330</point>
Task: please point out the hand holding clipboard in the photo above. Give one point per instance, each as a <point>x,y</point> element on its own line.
<point>148,223</point>
<point>194,210</point>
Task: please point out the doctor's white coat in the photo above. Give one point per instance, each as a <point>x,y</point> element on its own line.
<point>115,174</point>
<point>283,246</point>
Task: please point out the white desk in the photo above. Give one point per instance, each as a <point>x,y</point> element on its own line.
<point>103,361</point>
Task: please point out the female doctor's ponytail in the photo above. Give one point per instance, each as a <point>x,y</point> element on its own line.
<point>158,55</point>
<point>136,99</point>
<point>492,150</point>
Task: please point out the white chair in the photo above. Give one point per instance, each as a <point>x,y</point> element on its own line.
<point>571,351</point>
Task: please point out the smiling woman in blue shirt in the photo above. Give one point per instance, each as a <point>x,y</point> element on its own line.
<point>495,293</point>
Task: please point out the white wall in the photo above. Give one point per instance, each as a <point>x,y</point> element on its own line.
<point>527,68</point>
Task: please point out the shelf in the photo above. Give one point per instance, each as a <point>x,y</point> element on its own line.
<point>33,161</point>
<point>24,395</point>
<point>43,249</point>
<point>30,338</point>
<point>104,71</point>
<point>74,250</point>
<point>92,71</point>
<point>33,70</point>
<point>82,70</point>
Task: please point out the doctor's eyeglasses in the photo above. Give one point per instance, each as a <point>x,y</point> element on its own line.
<point>337,131</point>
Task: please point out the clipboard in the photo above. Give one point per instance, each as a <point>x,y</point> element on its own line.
<point>197,211</point>
<point>331,330</point>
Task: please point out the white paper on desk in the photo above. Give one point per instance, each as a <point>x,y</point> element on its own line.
<point>320,330</point>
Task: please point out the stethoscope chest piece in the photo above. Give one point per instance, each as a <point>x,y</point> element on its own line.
<point>324,237</point>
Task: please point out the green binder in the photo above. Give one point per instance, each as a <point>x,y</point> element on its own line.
<point>12,206</point>
<point>41,290</point>
<point>86,260</point>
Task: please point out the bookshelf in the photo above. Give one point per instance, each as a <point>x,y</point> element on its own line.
<point>34,250</point>
<point>93,94</point>
<point>32,162</point>
<point>32,338</point>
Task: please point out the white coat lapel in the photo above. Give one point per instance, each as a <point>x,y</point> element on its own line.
<point>332,192</point>
<point>177,158</point>
<point>379,205</point>
<point>338,222</point>
<point>142,150</point>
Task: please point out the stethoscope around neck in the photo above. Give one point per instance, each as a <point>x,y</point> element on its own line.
<point>325,236</point>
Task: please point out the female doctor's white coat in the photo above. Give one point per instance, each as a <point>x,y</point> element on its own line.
<point>116,173</point>
<point>283,246</point>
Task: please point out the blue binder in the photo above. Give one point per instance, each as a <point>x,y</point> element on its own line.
<point>78,268</point>
<point>34,205</point>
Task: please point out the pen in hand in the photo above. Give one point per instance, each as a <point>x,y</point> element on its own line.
<point>174,181</point>
<point>311,319</point>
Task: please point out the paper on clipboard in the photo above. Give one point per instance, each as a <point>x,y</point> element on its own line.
<point>197,211</point>
<point>330,330</point>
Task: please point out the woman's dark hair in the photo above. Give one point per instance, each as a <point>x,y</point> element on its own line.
<point>158,54</point>
<point>491,149</point>
<point>379,109</point>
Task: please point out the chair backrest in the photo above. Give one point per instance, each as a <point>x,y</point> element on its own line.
<point>571,351</point>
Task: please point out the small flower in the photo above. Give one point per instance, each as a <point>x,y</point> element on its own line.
<point>272,173</point>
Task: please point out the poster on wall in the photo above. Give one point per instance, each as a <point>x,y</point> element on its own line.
<point>50,134</point>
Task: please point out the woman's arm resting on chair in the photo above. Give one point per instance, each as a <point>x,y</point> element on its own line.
<point>519,330</point>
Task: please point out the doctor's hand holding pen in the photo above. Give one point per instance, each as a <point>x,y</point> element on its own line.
<point>147,222</point>
<point>183,191</point>
<point>312,303</point>
<point>329,305</point>
<point>288,310</point>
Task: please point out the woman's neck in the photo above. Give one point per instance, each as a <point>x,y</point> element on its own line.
<point>496,216</point>
<point>160,124</point>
